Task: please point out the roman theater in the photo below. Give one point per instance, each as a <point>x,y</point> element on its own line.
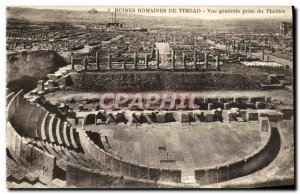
<point>77,113</point>
<point>59,129</point>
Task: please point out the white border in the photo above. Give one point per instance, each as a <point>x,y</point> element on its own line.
<point>5,3</point>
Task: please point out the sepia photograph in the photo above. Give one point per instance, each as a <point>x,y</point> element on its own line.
<point>150,97</point>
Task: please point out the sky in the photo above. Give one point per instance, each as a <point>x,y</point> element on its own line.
<point>201,12</point>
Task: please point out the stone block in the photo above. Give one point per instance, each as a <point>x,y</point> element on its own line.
<point>252,115</point>
<point>18,144</point>
<point>40,85</point>
<point>49,166</point>
<point>288,112</point>
<point>227,106</point>
<point>143,172</point>
<point>240,99</point>
<point>257,99</point>
<point>169,175</point>
<point>101,156</point>
<point>115,165</point>
<point>133,170</point>
<point>161,118</point>
<point>78,176</point>
<point>264,123</point>
<point>226,100</point>
<point>260,105</point>
<point>154,174</point>
<point>29,149</point>
<point>98,179</point>
<point>184,117</point>
<point>108,161</point>
<point>23,151</point>
<point>209,117</point>
<point>43,162</point>
<point>210,106</point>
<point>90,119</point>
<point>243,114</point>
<point>212,100</point>
<point>275,116</point>
<point>53,77</point>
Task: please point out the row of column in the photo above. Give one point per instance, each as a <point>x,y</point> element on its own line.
<point>239,48</point>
<point>85,63</point>
<point>227,48</point>
<point>157,59</point>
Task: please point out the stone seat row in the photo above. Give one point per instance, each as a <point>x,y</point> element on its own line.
<point>36,122</point>
<point>69,155</point>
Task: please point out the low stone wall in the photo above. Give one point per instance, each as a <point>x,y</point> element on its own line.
<point>90,178</point>
<point>18,146</point>
<point>140,117</point>
<point>250,164</point>
<point>161,80</point>
<point>127,168</point>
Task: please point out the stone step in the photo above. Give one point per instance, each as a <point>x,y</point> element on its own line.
<point>188,181</point>
<point>188,177</point>
<point>25,185</point>
<point>57,183</point>
<point>12,185</point>
<point>187,173</point>
<point>39,185</point>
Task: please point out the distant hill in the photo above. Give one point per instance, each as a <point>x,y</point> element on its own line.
<point>86,18</point>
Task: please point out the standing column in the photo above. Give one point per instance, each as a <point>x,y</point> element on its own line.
<point>234,46</point>
<point>205,60</point>
<point>135,60</point>
<point>195,58</point>
<point>263,55</point>
<point>40,85</point>
<point>146,61</point>
<point>72,62</point>
<point>109,62</point>
<point>173,59</point>
<point>85,64</point>
<point>250,50</point>
<point>124,65</point>
<point>157,59</point>
<point>184,61</point>
<point>245,48</point>
<point>217,63</point>
<point>152,53</point>
<point>241,48</point>
<point>97,60</point>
